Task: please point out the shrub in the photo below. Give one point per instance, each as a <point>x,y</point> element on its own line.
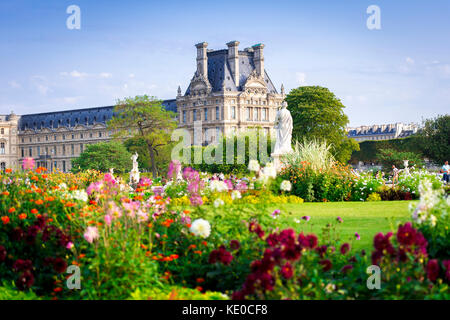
<point>374,197</point>
<point>175,293</point>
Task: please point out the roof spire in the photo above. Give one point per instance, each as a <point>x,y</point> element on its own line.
<point>179,91</point>
<point>282,89</point>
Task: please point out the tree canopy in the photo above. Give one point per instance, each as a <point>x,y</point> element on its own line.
<point>103,156</point>
<point>144,117</point>
<point>318,114</point>
<point>435,138</point>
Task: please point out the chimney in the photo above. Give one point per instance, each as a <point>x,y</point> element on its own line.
<point>258,58</point>
<point>202,59</point>
<point>233,60</point>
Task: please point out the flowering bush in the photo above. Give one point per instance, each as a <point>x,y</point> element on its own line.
<point>296,266</point>
<point>334,184</point>
<point>432,217</point>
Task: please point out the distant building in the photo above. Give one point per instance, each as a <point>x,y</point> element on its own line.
<point>382,132</point>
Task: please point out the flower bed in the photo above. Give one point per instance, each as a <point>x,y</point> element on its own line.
<point>224,243</point>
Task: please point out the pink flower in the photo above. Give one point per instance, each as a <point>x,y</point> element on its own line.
<point>358,237</point>
<point>306,218</point>
<point>108,219</point>
<point>276,213</point>
<point>69,245</point>
<point>339,219</point>
<point>28,163</point>
<point>91,234</point>
<point>174,168</point>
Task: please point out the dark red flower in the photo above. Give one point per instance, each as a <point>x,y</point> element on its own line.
<point>17,234</point>
<point>376,257</point>
<point>312,240</point>
<point>322,250</point>
<point>406,234</point>
<point>2,253</point>
<point>226,257</point>
<point>238,295</point>
<point>59,265</point>
<point>234,245</point>
<point>446,264</point>
<point>326,264</point>
<point>213,256</point>
<point>31,234</point>
<point>382,242</point>
<point>286,271</point>
<point>272,239</point>
<point>25,280</point>
<point>22,265</point>
<point>345,248</point>
<point>433,269</point>
<point>292,252</point>
<point>287,237</point>
<point>346,268</point>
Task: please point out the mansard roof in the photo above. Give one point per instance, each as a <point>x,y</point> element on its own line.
<point>72,118</point>
<point>219,71</point>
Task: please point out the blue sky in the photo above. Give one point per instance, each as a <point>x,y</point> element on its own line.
<point>127,48</point>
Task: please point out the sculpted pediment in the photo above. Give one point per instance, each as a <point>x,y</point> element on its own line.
<point>200,84</point>
<point>255,84</point>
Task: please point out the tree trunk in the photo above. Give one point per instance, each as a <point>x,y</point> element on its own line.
<point>152,160</point>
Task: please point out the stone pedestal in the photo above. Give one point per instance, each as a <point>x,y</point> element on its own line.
<point>276,161</point>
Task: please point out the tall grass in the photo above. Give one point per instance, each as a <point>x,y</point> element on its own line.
<point>316,153</point>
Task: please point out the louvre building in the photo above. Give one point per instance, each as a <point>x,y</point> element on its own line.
<point>230,91</point>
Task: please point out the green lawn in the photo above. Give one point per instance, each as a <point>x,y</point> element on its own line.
<point>366,218</point>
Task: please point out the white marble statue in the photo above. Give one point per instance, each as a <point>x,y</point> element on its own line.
<point>134,173</point>
<point>283,127</point>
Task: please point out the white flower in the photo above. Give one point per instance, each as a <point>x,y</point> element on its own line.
<point>235,195</point>
<point>253,165</point>
<point>330,288</point>
<point>218,202</point>
<point>80,195</point>
<point>62,186</point>
<point>269,171</point>
<point>285,185</point>
<point>201,228</point>
<point>218,186</point>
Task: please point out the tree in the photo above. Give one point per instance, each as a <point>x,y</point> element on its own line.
<point>318,114</point>
<point>144,117</point>
<point>435,138</point>
<point>103,156</point>
<point>389,157</point>
<point>163,157</point>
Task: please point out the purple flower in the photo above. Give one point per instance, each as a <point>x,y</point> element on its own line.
<point>358,237</point>
<point>196,200</point>
<point>306,218</point>
<point>339,219</point>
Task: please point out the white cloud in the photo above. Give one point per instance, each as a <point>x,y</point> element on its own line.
<point>301,78</point>
<point>105,75</point>
<point>81,75</point>
<point>131,75</point>
<point>14,84</point>
<point>409,60</point>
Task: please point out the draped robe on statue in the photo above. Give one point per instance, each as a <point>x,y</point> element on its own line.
<point>283,126</point>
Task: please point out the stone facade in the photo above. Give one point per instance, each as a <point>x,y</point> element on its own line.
<point>382,132</point>
<point>230,92</point>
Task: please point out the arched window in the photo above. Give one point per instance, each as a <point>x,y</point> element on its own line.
<point>2,131</point>
<point>2,148</point>
<point>3,166</point>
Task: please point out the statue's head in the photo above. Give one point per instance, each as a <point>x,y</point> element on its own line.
<point>284,105</point>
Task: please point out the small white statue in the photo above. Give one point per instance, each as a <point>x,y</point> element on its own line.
<point>134,173</point>
<point>283,126</point>
<point>111,172</point>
